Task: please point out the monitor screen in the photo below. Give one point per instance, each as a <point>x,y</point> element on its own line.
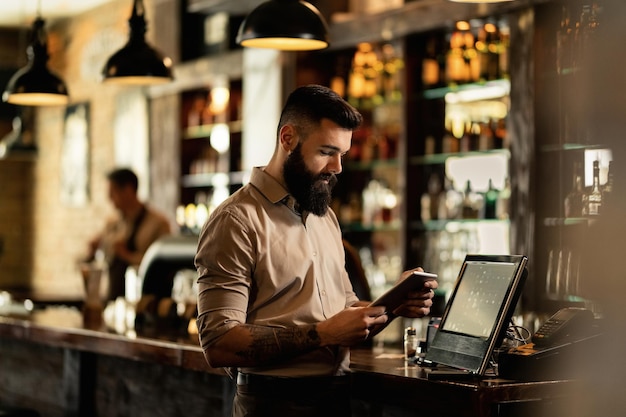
<point>478,311</point>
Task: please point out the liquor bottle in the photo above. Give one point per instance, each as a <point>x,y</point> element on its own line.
<point>450,201</point>
<point>607,189</point>
<point>587,27</point>
<point>472,202</point>
<point>491,201</point>
<point>464,142</point>
<point>430,64</point>
<point>471,58</point>
<point>500,137</point>
<point>449,144</point>
<point>430,199</point>
<point>573,205</point>
<point>485,137</point>
<point>594,199</point>
<point>504,198</point>
<point>505,41</point>
<point>489,46</point>
<point>455,63</point>
<point>564,42</point>
<point>411,343</point>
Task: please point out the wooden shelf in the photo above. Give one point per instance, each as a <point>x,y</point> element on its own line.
<point>440,158</point>
<point>215,179</point>
<point>204,131</point>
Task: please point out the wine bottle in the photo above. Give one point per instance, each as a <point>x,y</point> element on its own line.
<point>564,42</point>
<point>573,204</point>
<point>607,189</point>
<point>594,200</point>
<point>472,202</point>
<point>430,64</point>
<point>491,201</point>
<point>504,197</point>
<point>450,201</point>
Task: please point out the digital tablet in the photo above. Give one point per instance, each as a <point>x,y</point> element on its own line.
<point>396,295</point>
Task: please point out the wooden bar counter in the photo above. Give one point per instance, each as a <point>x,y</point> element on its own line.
<point>50,362</point>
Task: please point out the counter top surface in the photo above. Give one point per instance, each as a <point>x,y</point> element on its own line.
<point>379,373</point>
<point>63,327</point>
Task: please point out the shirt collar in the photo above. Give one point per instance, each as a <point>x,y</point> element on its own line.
<point>273,190</point>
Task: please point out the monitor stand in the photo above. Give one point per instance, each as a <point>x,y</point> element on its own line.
<point>446,373</point>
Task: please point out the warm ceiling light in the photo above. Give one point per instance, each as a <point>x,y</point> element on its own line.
<point>35,85</point>
<point>490,28</point>
<point>463,25</point>
<point>288,25</point>
<point>220,137</point>
<point>137,63</point>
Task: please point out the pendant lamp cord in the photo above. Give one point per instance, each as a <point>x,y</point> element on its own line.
<point>138,8</point>
<point>137,22</point>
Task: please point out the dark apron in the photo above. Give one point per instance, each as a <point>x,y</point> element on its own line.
<point>117,267</point>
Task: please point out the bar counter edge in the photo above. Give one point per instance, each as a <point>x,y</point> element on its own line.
<point>379,384</point>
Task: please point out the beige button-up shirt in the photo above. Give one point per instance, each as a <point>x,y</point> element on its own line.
<point>260,262</point>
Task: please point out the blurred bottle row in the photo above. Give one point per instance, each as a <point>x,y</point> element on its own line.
<point>442,201</point>
<point>377,204</point>
<point>589,201</point>
<point>577,28</point>
<point>469,136</point>
<point>475,51</point>
<point>191,217</point>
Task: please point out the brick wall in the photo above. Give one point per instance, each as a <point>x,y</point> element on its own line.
<point>43,238</point>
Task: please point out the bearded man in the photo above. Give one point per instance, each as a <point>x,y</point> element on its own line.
<point>275,305</point>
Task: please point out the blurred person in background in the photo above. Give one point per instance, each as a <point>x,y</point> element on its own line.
<point>126,236</point>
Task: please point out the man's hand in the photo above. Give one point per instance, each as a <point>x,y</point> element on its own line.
<point>351,325</point>
<point>417,303</point>
<point>251,345</point>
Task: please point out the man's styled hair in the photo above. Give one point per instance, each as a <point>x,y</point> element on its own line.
<point>122,177</point>
<point>306,106</point>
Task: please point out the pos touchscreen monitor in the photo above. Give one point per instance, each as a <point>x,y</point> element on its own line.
<point>478,312</point>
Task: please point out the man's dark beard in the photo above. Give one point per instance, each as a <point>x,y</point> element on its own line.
<point>311,191</point>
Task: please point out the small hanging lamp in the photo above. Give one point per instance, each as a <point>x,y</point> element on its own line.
<point>35,84</point>
<point>137,63</point>
<point>288,25</point>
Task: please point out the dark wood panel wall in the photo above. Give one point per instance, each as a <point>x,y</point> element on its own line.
<point>521,122</point>
<point>60,382</point>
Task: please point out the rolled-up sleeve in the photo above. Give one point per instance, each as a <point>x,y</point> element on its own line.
<point>225,263</point>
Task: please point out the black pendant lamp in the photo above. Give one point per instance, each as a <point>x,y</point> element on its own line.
<point>137,63</point>
<point>35,85</point>
<point>288,25</point>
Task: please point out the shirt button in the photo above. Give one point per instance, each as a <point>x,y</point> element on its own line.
<point>324,293</point>
<point>314,253</point>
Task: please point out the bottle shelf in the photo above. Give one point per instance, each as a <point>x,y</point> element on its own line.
<point>392,226</point>
<point>568,221</point>
<point>215,179</point>
<point>440,158</point>
<point>452,225</point>
<point>204,131</point>
<point>370,165</point>
<point>571,147</point>
<point>472,91</point>
<point>553,76</point>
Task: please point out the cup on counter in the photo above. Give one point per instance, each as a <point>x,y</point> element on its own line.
<point>93,304</point>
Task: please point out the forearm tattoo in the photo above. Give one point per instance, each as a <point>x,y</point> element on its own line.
<point>272,343</point>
